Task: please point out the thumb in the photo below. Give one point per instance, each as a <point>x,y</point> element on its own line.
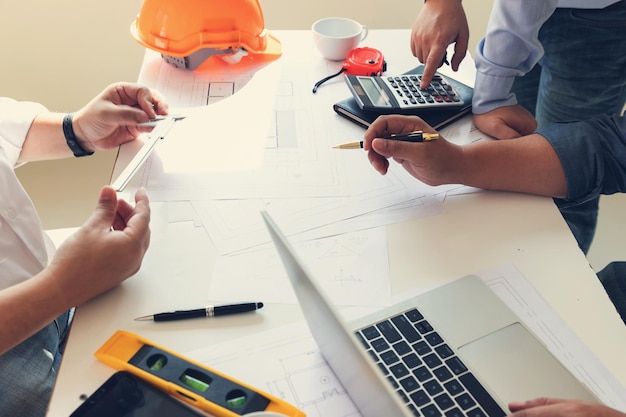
<point>393,148</point>
<point>106,209</point>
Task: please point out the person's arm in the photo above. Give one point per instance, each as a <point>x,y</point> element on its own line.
<point>550,407</point>
<point>108,249</point>
<point>107,121</point>
<point>528,165</point>
<point>593,155</point>
<point>575,160</point>
<point>509,48</point>
<point>439,24</point>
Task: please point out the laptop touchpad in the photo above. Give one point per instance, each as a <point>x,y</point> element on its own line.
<point>516,367</point>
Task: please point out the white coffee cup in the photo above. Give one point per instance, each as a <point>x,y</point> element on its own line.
<point>335,37</point>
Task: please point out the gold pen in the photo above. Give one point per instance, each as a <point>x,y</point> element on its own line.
<point>417,136</point>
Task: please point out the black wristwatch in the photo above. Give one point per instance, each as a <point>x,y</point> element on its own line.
<point>70,137</point>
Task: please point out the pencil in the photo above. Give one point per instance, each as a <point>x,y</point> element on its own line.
<point>417,136</point>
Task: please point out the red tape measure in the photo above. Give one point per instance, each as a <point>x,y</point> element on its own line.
<point>366,62</point>
<point>360,61</point>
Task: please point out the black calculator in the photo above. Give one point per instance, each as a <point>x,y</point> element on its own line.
<point>402,92</point>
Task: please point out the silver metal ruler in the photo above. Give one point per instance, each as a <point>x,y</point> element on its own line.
<point>161,128</point>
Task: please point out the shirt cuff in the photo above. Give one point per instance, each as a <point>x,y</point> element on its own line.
<point>492,92</point>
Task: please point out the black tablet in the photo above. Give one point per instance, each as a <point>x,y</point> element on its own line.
<point>125,395</point>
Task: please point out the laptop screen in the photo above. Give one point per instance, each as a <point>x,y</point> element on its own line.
<point>363,381</point>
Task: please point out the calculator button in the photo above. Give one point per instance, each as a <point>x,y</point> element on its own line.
<point>408,93</point>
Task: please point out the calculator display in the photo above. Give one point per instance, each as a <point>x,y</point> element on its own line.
<point>373,92</point>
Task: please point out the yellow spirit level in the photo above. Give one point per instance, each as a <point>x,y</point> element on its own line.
<point>192,382</point>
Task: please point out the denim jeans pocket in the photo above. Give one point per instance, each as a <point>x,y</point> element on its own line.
<point>613,16</point>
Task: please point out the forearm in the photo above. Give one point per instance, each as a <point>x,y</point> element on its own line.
<point>510,48</point>
<point>528,165</point>
<point>27,307</point>
<point>576,161</point>
<point>45,139</point>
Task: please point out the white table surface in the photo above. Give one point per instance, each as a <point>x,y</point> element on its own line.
<point>476,232</point>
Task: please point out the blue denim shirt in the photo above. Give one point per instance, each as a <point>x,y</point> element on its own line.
<point>593,155</point>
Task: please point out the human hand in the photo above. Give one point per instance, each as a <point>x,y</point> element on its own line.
<point>506,122</point>
<point>105,251</point>
<point>439,23</point>
<point>435,162</point>
<point>550,407</point>
<point>111,118</point>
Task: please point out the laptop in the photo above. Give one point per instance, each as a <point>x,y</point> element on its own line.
<point>456,350</point>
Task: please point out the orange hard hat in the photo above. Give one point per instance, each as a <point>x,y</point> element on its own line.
<point>189,31</point>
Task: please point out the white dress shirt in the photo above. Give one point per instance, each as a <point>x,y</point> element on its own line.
<point>24,246</point>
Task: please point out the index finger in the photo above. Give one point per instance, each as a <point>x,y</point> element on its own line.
<point>382,127</point>
<point>152,102</point>
<point>434,60</point>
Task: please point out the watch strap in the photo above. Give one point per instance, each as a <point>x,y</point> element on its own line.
<point>70,137</point>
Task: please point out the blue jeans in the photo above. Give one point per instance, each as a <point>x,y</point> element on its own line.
<point>28,371</point>
<point>582,74</point>
<point>613,278</point>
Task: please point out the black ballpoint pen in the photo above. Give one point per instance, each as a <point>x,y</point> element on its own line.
<point>417,136</point>
<point>209,311</point>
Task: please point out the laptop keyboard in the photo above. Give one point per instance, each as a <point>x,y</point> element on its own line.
<point>424,370</point>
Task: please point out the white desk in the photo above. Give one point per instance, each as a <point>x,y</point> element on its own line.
<point>476,232</point>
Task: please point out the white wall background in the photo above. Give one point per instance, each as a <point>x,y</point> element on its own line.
<point>63,52</point>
